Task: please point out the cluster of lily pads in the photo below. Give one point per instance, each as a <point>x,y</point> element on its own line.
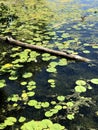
<point>69,104</point>
<point>20,64</point>
<point>36,125</point>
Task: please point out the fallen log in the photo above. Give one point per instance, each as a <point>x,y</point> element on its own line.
<point>43,49</point>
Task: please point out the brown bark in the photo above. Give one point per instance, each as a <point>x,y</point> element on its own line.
<point>43,49</point>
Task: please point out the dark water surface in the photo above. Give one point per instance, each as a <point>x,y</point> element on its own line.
<point>86,31</point>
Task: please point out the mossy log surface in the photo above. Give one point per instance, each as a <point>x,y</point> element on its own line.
<point>43,49</point>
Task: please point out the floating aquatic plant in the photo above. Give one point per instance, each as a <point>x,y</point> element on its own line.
<point>61,98</point>
<point>94,80</point>
<point>81,82</point>
<point>2,83</point>
<point>80,89</point>
<point>70,116</point>
<point>44,124</point>
<point>22,119</point>
<point>27,75</point>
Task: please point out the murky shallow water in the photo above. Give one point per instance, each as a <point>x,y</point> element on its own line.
<point>86,31</point>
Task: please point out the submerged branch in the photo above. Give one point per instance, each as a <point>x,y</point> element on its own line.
<point>43,49</point>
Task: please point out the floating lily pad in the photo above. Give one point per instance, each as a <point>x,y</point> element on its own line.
<point>24,96</point>
<point>69,104</point>
<point>95,46</point>
<point>14,98</point>
<point>32,102</point>
<point>65,35</point>
<point>30,94</point>
<point>51,81</point>
<point>13,77</point>
<point>30,87</point>
<point>53,64</point>
<point>22,119</point>
<point>48,114</point>
<point>2,83</point>
<point>58,107</point>
<point>10,121</point>
<point>23,83</point>
<point>38,106</point>
<point>16,49</point>
<point>62,62</point>
<point>53,102</point>
<point>86,51</point>
<point>32,83</point>
<point>61,98</point>
<point>27,75</point>
<point>54,110</point>
<point>45,104</point>
<point>80,82</point>
<point>7,66</point>
<point>80,89</point>
<point>94,81</point>
<point>70,116</point>
<point>52,69</point>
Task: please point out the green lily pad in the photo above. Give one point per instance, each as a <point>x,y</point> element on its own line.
<point>52,69</point>
<point>45,104</point>
<point>94,81</point>
<point>51,81</point>
<point>27,75</point>
<point>32,83</point>
<point>13,77</point>
<point>54,111</point>
<point>80,89</point>
<point>86,51</point>
<point>65,35</point>
<point>48,114</point>
<point>69,104</point>
<point>61,98</point>
<point>32,102</point>
<point>30,87</point>
<point>53,64</point>
<point>22,119</point>
<point>23,83</point>
<point>62,62</point>
<point>10,121</point>
<point>30,94</point>
<point>58,107</point>
<point>80,82</point>
<point>2,83</point>
<point>53,102</point>
<point>70,116</point>
<point>52,85</point>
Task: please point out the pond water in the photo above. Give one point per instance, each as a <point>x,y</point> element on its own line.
<point>29,80</point>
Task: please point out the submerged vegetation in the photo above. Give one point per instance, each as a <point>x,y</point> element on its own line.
<point>39,91</point>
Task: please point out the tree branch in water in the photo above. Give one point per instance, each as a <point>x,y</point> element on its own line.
<point>43,49</point>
